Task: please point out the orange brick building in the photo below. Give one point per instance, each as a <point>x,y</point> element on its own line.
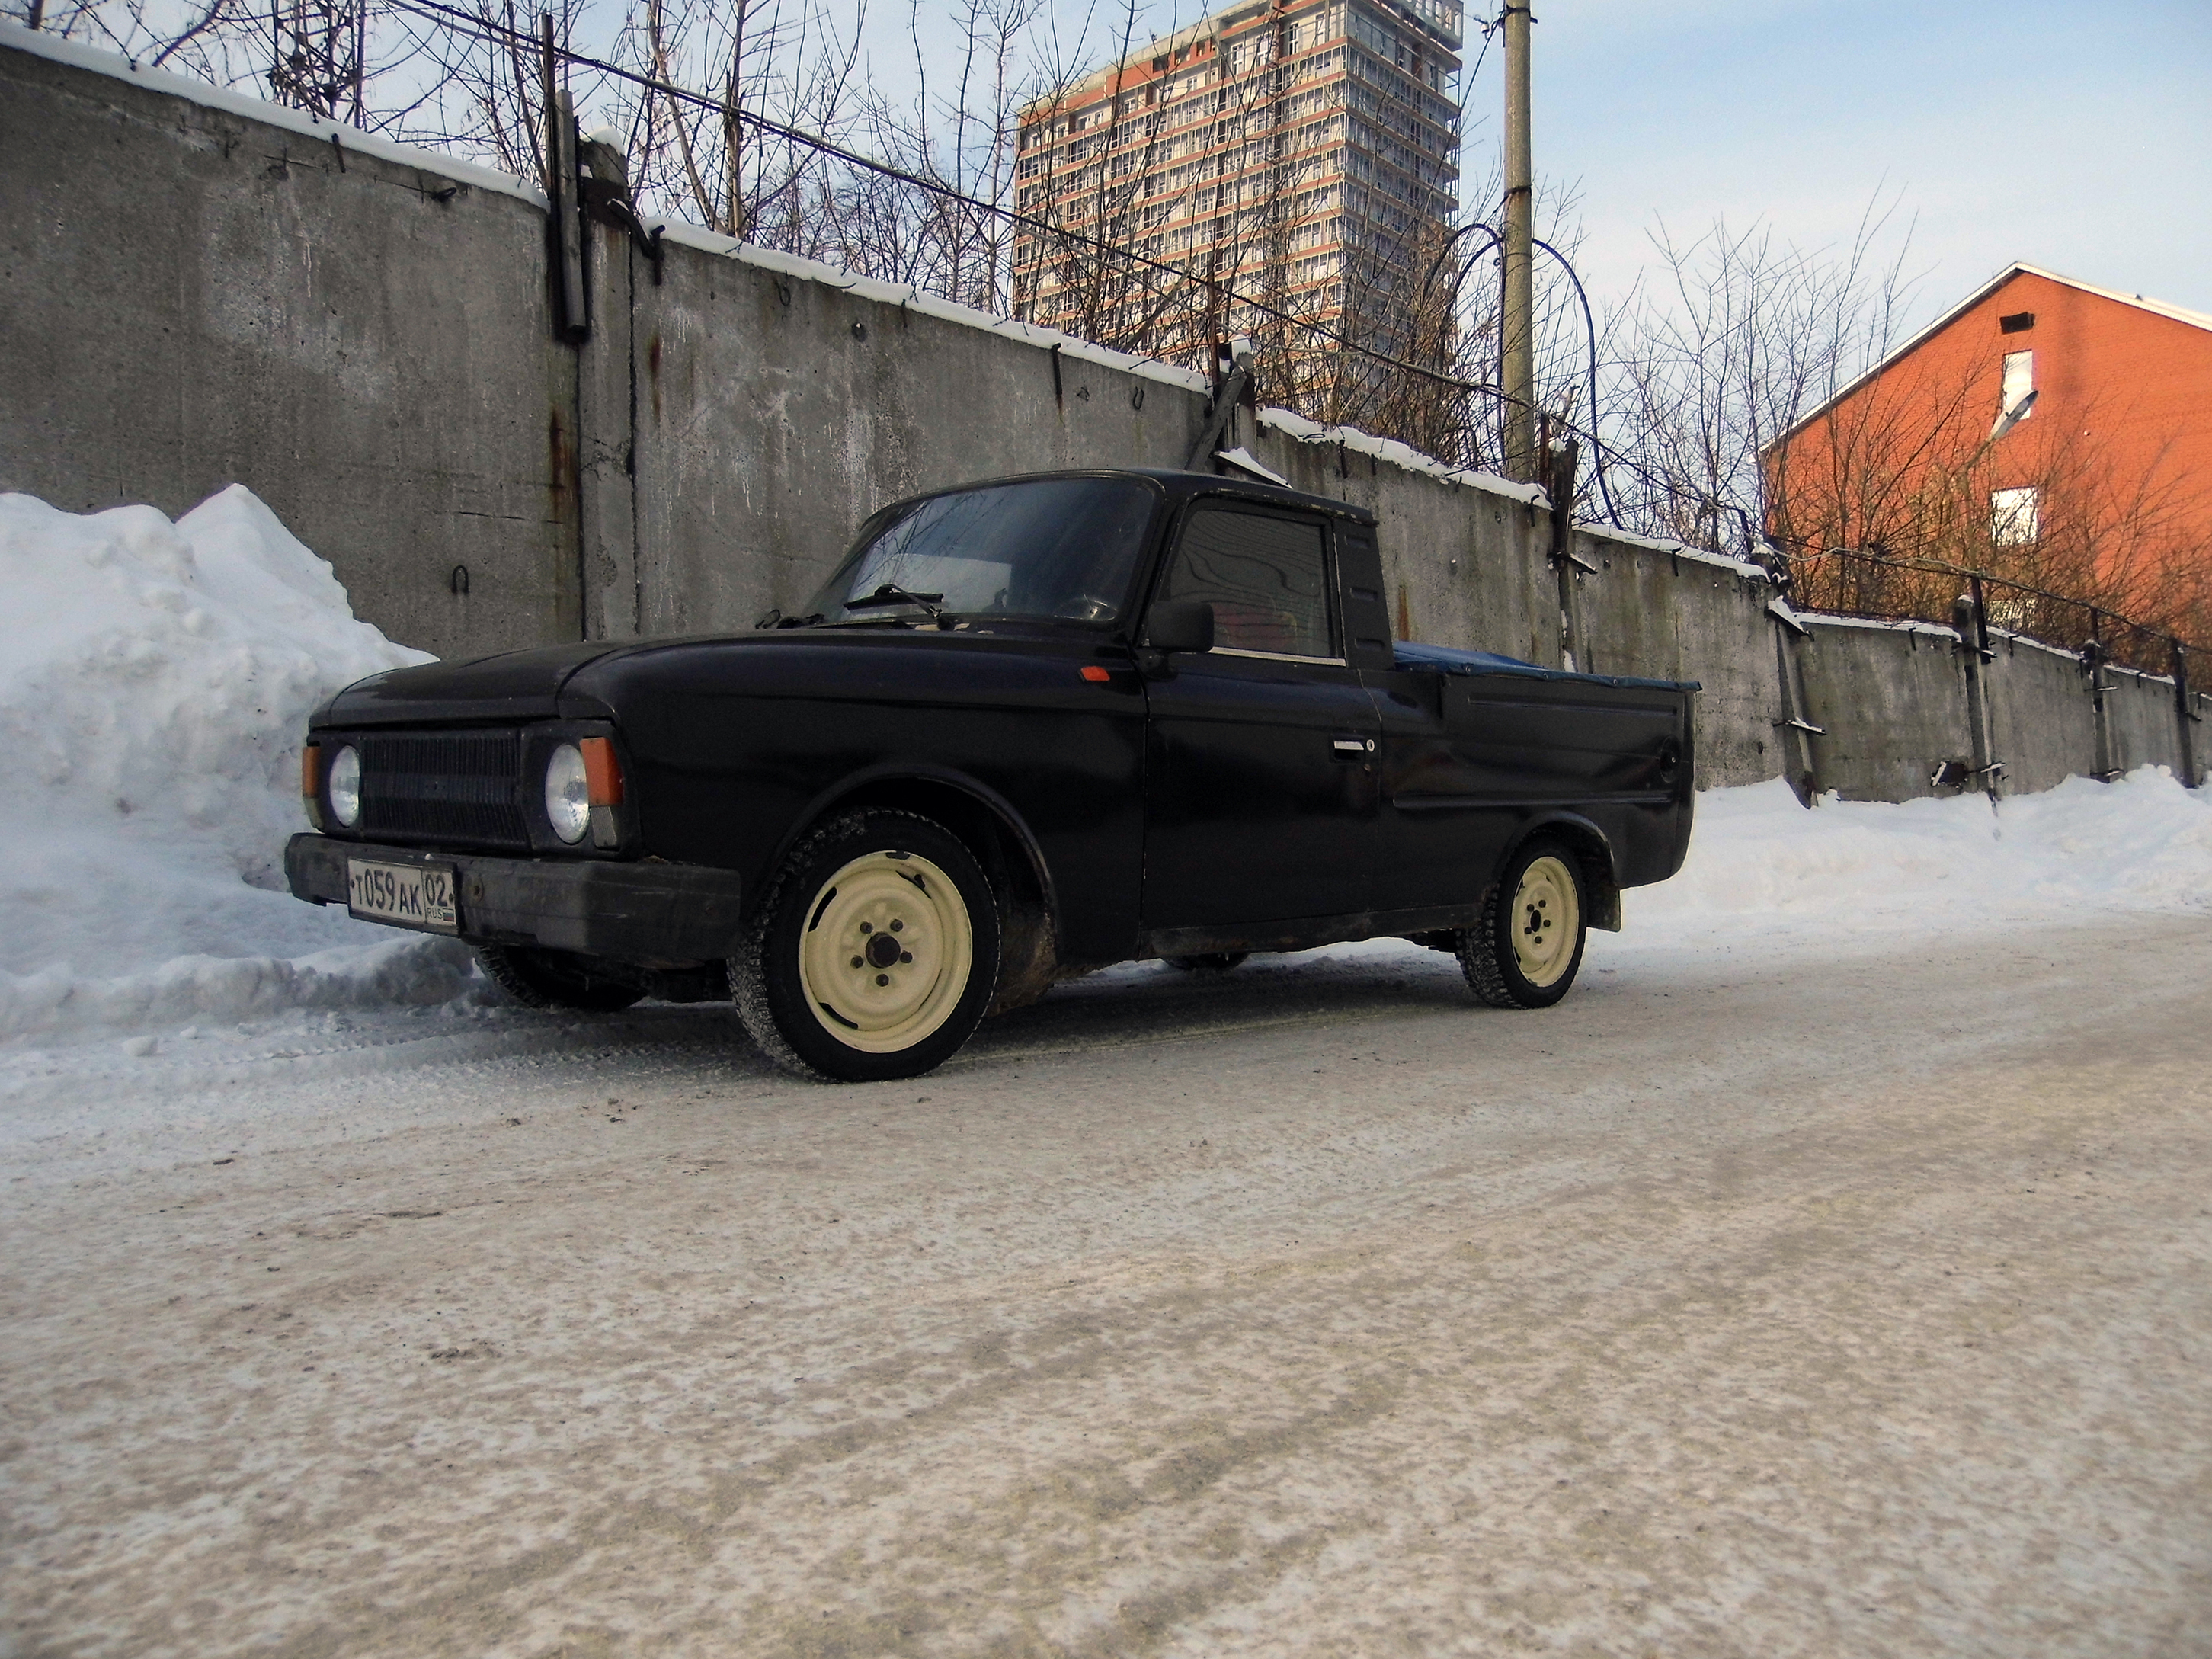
<point>2102,489</point>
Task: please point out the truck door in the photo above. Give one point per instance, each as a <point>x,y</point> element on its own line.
<point>1259,762</point>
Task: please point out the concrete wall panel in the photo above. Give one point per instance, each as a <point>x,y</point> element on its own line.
<point>2139,709</point>
<point>1681,616</point>
<point>775,412</point>
<point>2043,728</point>
<point>198,298</point>
<point>1893,703</point>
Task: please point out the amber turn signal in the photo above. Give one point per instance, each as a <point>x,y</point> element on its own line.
<point>603,780</point>
<point>311,784</point>
<point>603,788</point>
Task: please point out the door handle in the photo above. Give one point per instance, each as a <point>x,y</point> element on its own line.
<point>1353,745</point>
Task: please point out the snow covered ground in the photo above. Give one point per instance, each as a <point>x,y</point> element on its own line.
<point>1825,1275</point>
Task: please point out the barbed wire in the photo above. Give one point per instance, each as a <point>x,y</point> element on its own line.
<point>1924,564</point>
<point>1603,453</point>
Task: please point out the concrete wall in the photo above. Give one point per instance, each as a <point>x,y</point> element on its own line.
<point>1892,698</point>
<point>2139,710</point>
<point>774,409</point>
<point>206,289</point>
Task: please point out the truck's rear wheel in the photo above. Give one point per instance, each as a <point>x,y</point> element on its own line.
<point>873,954</point>
<point>557,979</point>
<point>1527,947</point>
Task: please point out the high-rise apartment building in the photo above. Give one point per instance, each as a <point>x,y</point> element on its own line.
<point>1302,152</point>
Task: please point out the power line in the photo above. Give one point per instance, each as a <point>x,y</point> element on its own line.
<point>486,29</point>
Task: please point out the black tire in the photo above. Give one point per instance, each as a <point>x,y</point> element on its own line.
<point>1524,953</point>
<point>818,978</point>
<point>1213,962</point>
<point>558,979</point>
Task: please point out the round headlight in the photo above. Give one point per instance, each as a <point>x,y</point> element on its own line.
<point>345,786</point>
<point>568,794</point>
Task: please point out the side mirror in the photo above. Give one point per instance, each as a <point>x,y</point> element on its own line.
<point>1180,625</point>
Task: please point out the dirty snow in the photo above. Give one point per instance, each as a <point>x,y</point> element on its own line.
<point>1825,1275</point>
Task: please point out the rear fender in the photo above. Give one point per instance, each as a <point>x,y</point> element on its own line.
<point>1593,852</point>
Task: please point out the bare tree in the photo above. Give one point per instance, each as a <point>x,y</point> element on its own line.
<point>1741,338</point>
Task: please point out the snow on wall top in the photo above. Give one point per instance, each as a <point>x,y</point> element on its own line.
<point>1827,619</point>
<point>1678,550</point>
<point>926,305</point>
<point>39,43</point>
<point>1405,457</point>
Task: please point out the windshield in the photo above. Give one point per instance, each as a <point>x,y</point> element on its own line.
<point>1048,548</point>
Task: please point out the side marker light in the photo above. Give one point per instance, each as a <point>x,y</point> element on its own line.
<point>1096,675</point>
<point>603,788</point>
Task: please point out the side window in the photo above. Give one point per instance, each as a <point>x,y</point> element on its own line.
<point>1266,578</point>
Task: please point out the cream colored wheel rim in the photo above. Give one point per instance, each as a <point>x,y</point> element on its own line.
<point>886,953</point>
<point>1545,921</point>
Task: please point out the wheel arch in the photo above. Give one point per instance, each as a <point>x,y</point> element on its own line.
<point>1593,852</point>
<point>993,830</point>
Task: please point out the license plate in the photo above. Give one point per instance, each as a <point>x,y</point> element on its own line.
<point>410,895</point>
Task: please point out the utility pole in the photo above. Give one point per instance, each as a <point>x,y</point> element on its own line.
<point>1518,325</point>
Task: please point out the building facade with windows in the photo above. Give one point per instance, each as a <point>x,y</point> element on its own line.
<point>2044,428</point>
<point>1304,153</point>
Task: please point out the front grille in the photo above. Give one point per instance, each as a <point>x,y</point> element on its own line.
<point>443,786</point>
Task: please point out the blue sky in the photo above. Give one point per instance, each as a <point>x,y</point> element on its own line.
<point>2076,136</point>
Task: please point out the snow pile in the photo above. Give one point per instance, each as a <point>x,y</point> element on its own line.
<point>1760,863</point>
<point>155,684</point>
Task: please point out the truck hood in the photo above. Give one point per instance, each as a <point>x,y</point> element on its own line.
<point>515,685</point>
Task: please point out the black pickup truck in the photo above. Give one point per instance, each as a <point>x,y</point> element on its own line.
<point>1029,727</point>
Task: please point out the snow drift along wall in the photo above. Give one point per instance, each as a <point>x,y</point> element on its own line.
<point>155,681</point>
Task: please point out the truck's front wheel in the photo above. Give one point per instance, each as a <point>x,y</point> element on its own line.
<point>873,954</point>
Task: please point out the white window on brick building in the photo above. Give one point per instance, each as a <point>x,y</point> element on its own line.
<point>2015,516</point>
<point>2018,381</point>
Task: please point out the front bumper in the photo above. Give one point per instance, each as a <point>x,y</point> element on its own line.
<point>655,914</point>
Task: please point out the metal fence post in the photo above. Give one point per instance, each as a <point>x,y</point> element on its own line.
<point>1799,763</point>
<point>571,321</point>
<point>2094,656</point>
<point>2185,718</point>
<point>1559,480</point>
<point>1973,646</point>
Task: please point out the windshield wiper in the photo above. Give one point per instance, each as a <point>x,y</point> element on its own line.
<point>891,594</point>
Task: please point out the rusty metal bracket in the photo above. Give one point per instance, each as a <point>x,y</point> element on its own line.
<point>620,212</point>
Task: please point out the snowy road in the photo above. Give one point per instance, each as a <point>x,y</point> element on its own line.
<point>1840,1297</point>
